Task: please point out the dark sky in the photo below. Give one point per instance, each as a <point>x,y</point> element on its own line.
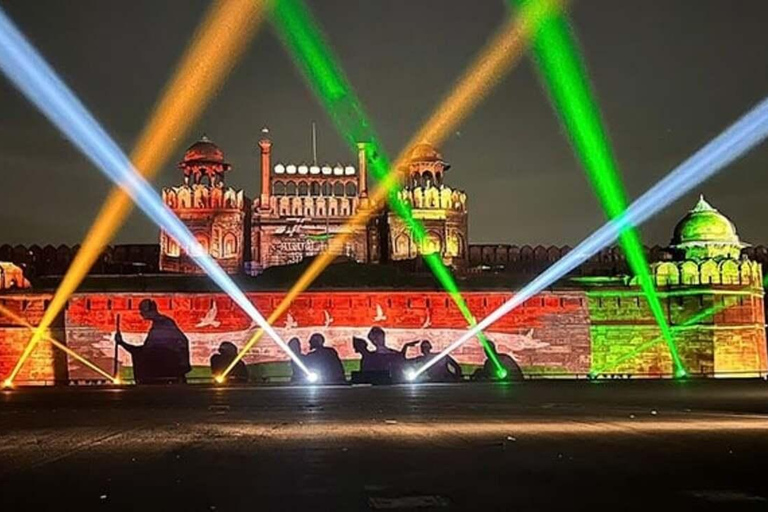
<point>670,74</point>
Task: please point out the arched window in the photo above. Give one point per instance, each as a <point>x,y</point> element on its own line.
<point>290,189</point>
<point>172,248</point>
<point>230,245</point>
<point>351,189</point>
<point>327,190</point>
<point>303,188</point>
<point>338,189</point>
<point>204,242</point>
<point>278,188</point>
<point>315,188</point>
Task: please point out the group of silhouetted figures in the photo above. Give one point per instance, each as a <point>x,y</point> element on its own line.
<point>164,358</point>
<point>384,365</point>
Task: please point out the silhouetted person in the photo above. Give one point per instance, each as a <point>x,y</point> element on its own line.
<point>324,361</point>
<point>221,361</point>
<point>444,370</point>
<point>360,346</point>
<point>383,358</point>
<point>297,374</point>
<point>164,356</point>
<point>488,371</point>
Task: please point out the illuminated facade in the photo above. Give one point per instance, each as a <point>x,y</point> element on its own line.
<point>441,209</point>
<point>302,206</point>
<point>213,212</point>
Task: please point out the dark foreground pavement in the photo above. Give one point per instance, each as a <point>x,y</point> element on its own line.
<point>533,446</point>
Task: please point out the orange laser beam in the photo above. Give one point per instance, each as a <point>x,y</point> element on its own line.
<point>23,322</point>
<point>214,49</point>
<point>501,53</point>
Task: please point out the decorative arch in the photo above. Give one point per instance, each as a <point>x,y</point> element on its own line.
<point>290,188</point>
<point>204,241</point>
<point>230,245</point>
<point>351,189</point>
<point>667,274</point>
<point>432,243</point>
<point>338,189</point>
<point>278,188</point>
<point>403,245</point>
<point>729,272</point>
<point>327,189</point>
<point>171,247</point>
<point>303,188</point>
<point>689,272</point>
<point>314,189</point>
<point>710,273</point>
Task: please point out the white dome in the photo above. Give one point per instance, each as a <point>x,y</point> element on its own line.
<point>327,169</point>
<point>349,170</point>
<point>291,169</point>
<point>303,169</point>
<point>314,170</point>
<point>279,169</point>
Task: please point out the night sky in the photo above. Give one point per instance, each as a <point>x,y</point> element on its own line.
<point>669,74</point>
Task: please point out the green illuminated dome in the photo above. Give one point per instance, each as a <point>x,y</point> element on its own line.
<point>706,233</point>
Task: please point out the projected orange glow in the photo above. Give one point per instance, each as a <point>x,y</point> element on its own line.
<point>499,56</point>
<point>214,49</point>
<point>21,321</point>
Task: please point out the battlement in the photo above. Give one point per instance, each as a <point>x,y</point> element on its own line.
<point>743,273</point>
<point>203,197</point>
<point>431,197</point>
<point>315,208</point>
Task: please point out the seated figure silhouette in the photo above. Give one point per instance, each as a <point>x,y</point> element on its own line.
<point>444,370</point>
<point>382,365</point>
<point>223,358</point>
<point>324,361</point>
<point>297,374</point>
<point>488,371</point>
<point>360,346</point>
<point>164,356</point>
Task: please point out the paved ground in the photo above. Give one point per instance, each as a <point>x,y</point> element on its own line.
<point>533,446</point>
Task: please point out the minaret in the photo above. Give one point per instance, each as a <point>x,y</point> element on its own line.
<point>266,152</point>
<point>362,165</point>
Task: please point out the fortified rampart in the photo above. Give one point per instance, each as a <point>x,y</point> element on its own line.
<point>719,330</point>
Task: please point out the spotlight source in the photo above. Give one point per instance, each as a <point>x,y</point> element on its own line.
<point>219,379</point>
<point>410,375</point>
<point>313,378</point>
<point>7,384</point>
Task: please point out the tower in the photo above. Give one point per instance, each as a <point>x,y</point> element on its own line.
<point>442,210</point>
<point>213,212</point>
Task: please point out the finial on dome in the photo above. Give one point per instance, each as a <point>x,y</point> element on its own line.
<point>265,130</point>
<point>703,205</point>
<point>205,138</point>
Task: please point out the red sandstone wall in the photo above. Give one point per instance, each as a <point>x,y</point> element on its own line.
<point>14,338</point>
<point>550,332</point>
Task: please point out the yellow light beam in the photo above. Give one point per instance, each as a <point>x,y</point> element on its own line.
<point>214,49</point>
<point>498,57</point>
<point>23,322</point>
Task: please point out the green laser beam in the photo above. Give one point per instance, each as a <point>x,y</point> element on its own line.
<point>565,77</point>
<point>302,36</point>
<point>696,318</point>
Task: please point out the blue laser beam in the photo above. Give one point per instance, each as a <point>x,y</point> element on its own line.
<point>32,75</point>
<point>746,133</point>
